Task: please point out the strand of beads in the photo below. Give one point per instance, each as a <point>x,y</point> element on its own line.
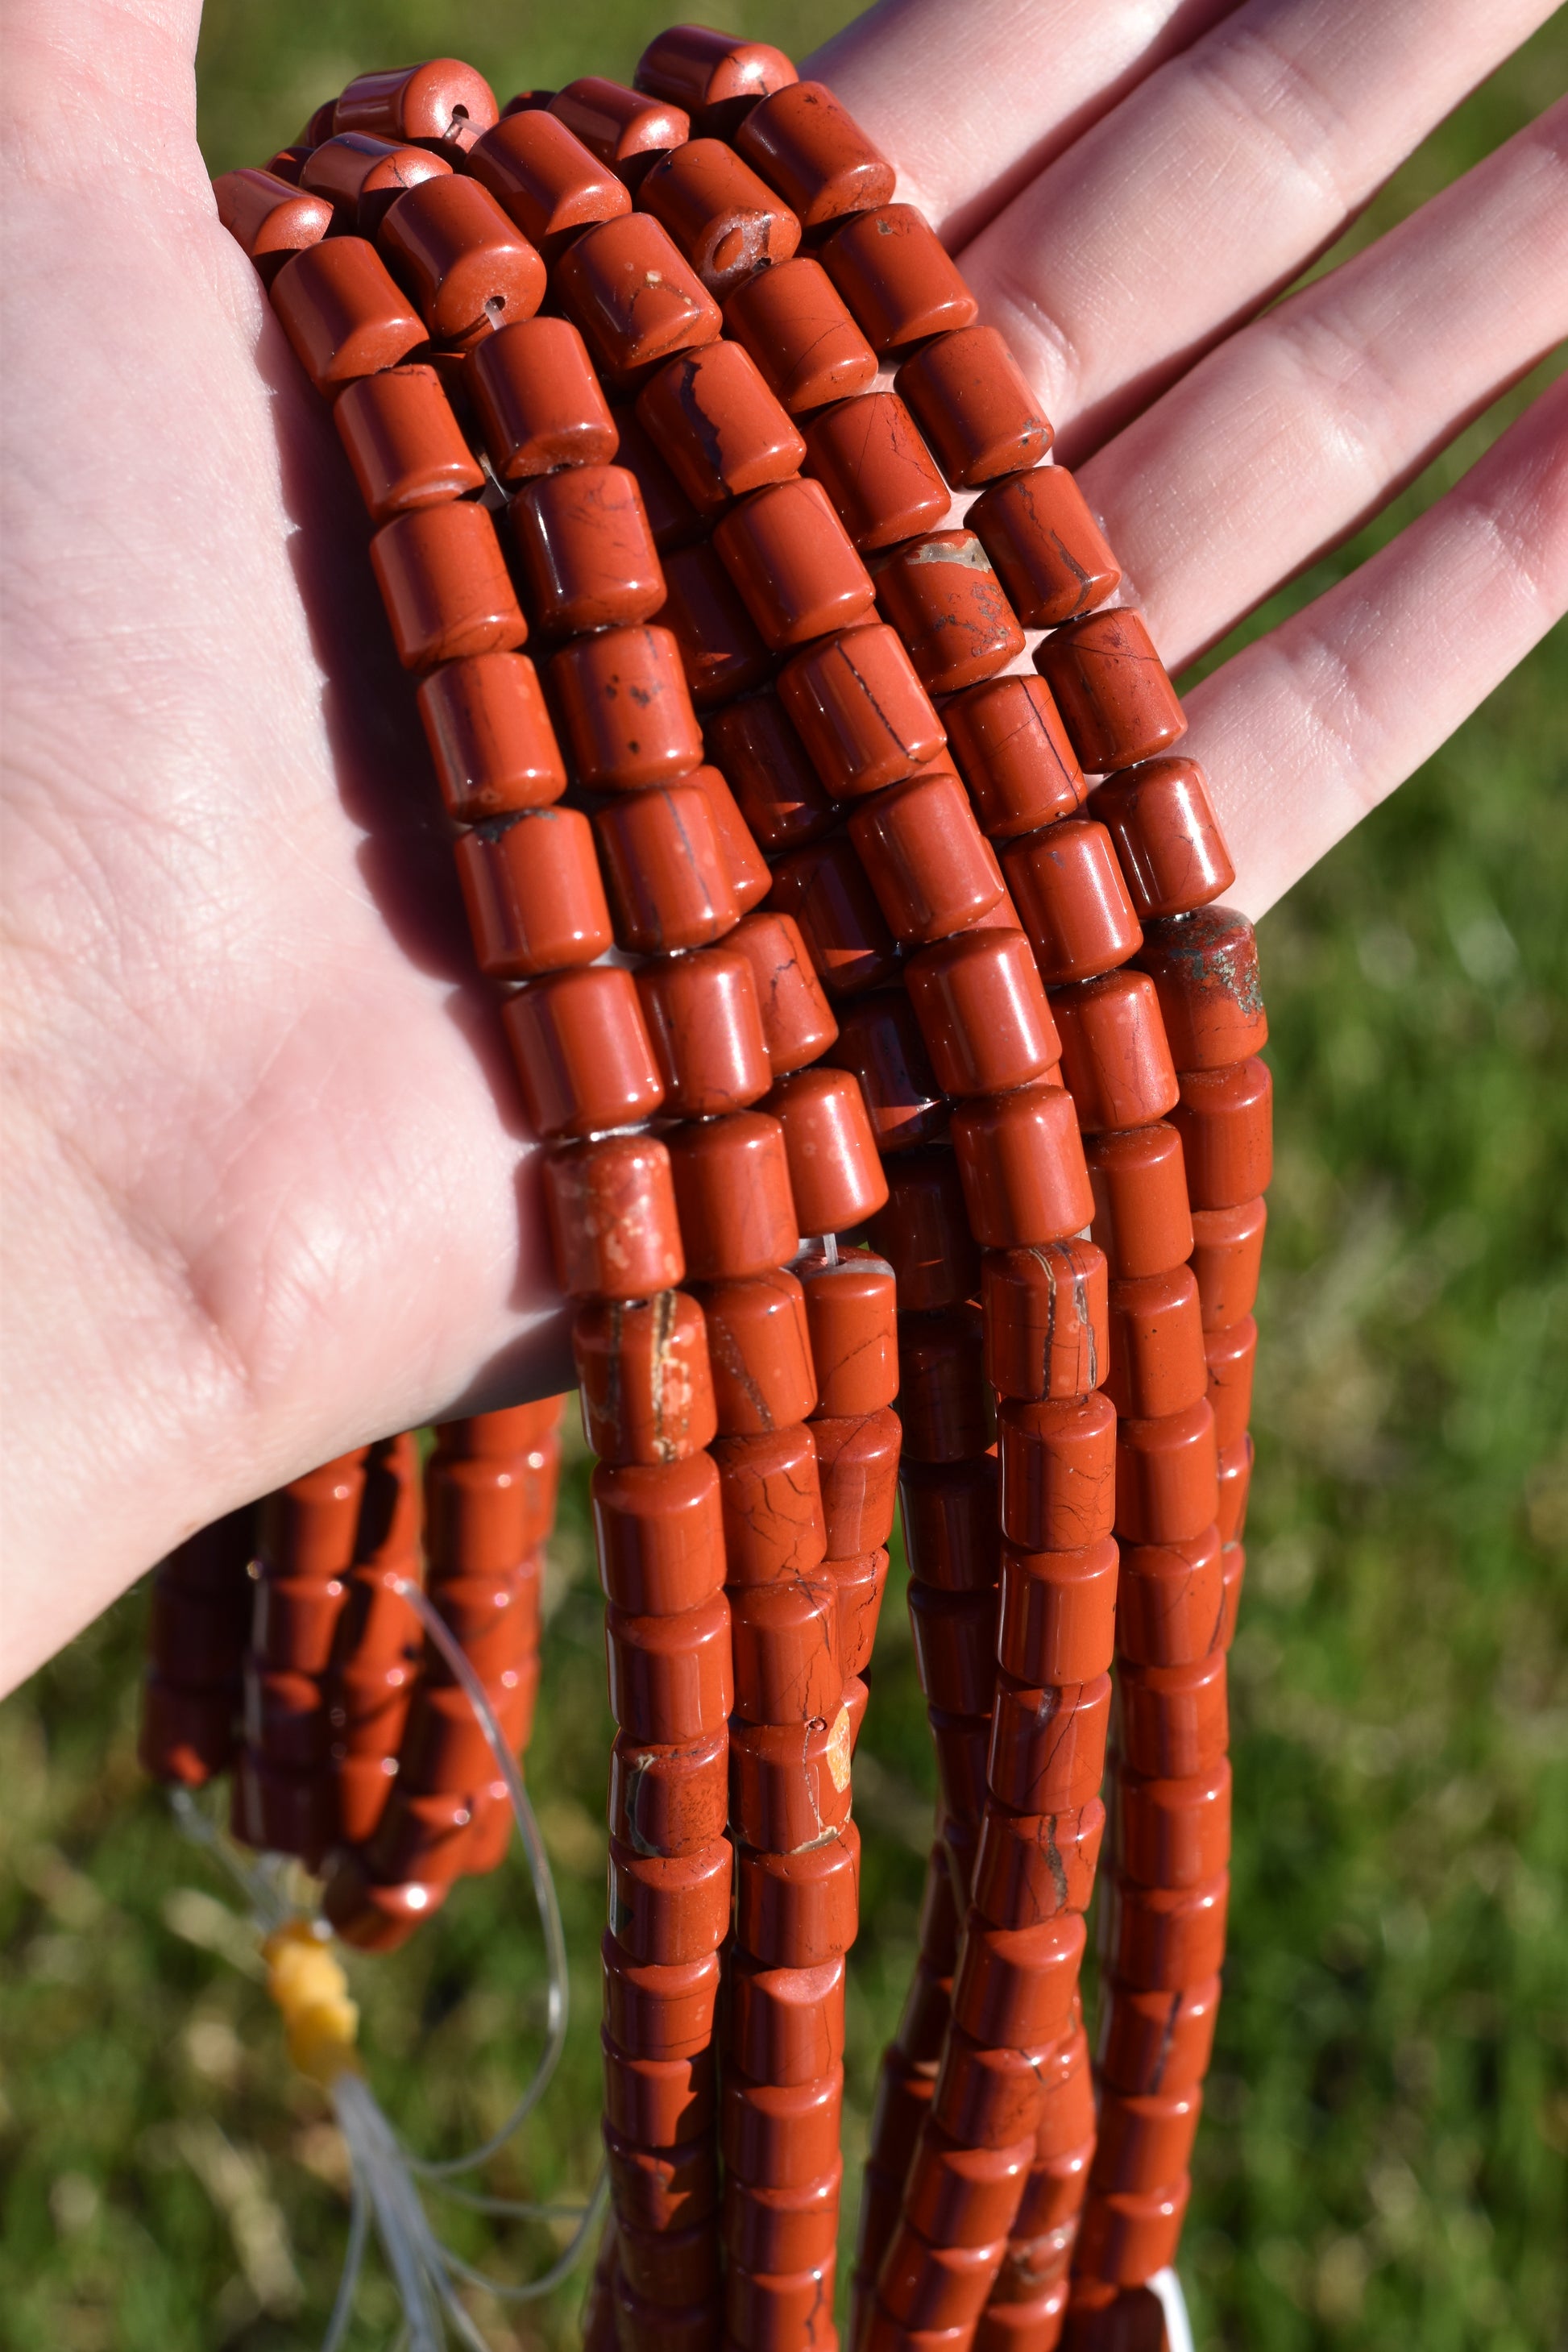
<point>195,1640</point>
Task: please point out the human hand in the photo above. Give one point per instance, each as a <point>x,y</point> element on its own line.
<point>271,1191</point>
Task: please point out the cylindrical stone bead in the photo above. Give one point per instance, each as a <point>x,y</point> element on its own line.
<point>1116,699</point>
<point>626,128</point>
<point>668,882</point>
<point>362,176</point>
<point>531,885</point>
<point>793,562</point>
<point>789,1783</point>
<point>771,1496</point>
<point>491,736</point>
<point>628,715</point>
<point>643,1378</point>
<point>717,425</point>
<point>1021,1161</point>
<point>951,1533</point>
<point>1046,1319</point>
<point>766,765</point>
<point>1231,1356</point>
<point>857,1462</point>
<point>1157,1939</point>
<point>796,1910</point>
<point>705,1027</point>
<point>823,887</point>
<point>955,1636</point>
<point>669,1798</point>
<point>1204,969</point>
<point>1058,1613</point>
<point>1167,837</point>
<point>727,222</point>
<point>924,2289</point>
<point>659,1536</point>
<point>775,2232</point>
<point>877,472</point>
<point>404,442</point>
<point>1073,903</point>
<point>1116,1063</point>
<point>538,400</point>
<point>1014,754</point>
<point>545,180</point>
<point>926,858</point>
<point>667,1909</point>
<point>795,326</point>
<point>732,1180</point>
<point>860,710</point>
<point>581,1050</point>
<point>1227,1257</point>
<point>896,276</point>
<point>1235,1480</point>
<point>445,584</point>
<point>1058,1472</point>
<point>784,1638</point>
<point>1050,554</point>
<point>1030,1866</point>
<point>983,1012</point>
<point>268,218</point>
<point>1172,1720</point>
<point>342,313</point>
<point>658,2103</point>
<point>1047,1744</point>
<point>612,1222</point>
<point>924,1233</point>
<point>722,650</point>
<point>759,1350</point>
<point>670,1677</point>
<point>807,146</point>
<point>1171,1601</point>
<point>945,1404</point>
<point>1152,2041</point>
<point>974,407</point>
<point>442,101</point>
<point>986,2098</point>
<point>849,1309</point>
<point>633,296</point>
<point>714,77</point>
<point>947,604</point>
<point>1142,1220</point>
<point>786,2024</point>
<point>1016,1987</point>
<point>1174,1832</point>
<point>672,518</point>
<point>798,1023</point>
<point>859,1585</point>
<point>1166,1477</point>
<point>587,555</point>
<point>836,1176</point>
<point>1225,1118</point>
<point>1156,1362</point>
<point>468,267</point>
<point>880,1039</point>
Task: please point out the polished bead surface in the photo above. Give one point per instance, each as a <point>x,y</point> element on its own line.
<point>789,1783</point>
<point>667,1909</point>
<point>880,1039</point>
<point>660,1535</point>
<point>784,1639</point>
<point>613,1223</point>
<point>587,555</point>
<point>861,711</point>
<point>857,1462</point>
<point>727,222</point>
<point>786,2025</point>
<point>1158,1939</point>
<point>490,735</point>
<point>1174,1832</point>
<point>796,1910</point>
<point>1166,1477</point>
<point>859,1585</point>
<point>582,1052</point>
<point>836,1176</point>
<point>959,2196</point>
<point>633,295</point>
<point>445,584</point>
<point>775,2232</point>
<point>1031,1867</point>
<point>926,858</point>
<point>668,884</point>
<point>954,1637</point>
<point>877,472</point>
<point>925,2288</point>
<point>1016,1986</point>
<point>896,276</point>
<point>793,563</point>
<point>629,716</point>
<point>706,1026</point>
<point>1069,893</point>
<point>1205,970</point>
<point>668,1799</point>
<point>797,1020</point>
<point>944,1403</point>
<point>1227,1255</point>
<point>759,1346</point>
<point>983,1012</point>
<point>1049,553</point>
<point>670,1677</point>
<point>1013,752</point>
<point>1232,1355</point>
<point>974,407</point>
<point>545,180</point>
<point>1141,1220</point>
<point>764,763</point>
<point>712,73</point>
<point>1047,1744</point>
<point>947,604</point>
<point>1046,1319</point>
<point>531,887</point>
<point>806,145</point>
<point>538,400</point>
<point>468,267</point>
<point>269,219</point>
<point>797,327</point>
<point>1117,702</point>
<point>718,427</point>
<point>849,1308</point>
<point>1020,1159</point>
<point>823,888</point>
<point>1116,1063</point>
<point>1058,1472</point>
<point>1167,837</point>
<point>770,1497</point>
<point>1156,1356</point>
<point>441,100</point>
<point>624,128</point>
<point>721,648</point>
<point>988,2099</point>
<point>737,1212</point>
<point>1173,1721</point>
<point>1152,2041</point>
<point>342,313</point>
<point>362,176</point>
<point>1058,1613</point>
<point>951,1531</point>
<point>1225,1118</point>
<point>403,442</point>
<point>1235,1483</point>
<point>924,1233</point>
<point>1170,1603</point>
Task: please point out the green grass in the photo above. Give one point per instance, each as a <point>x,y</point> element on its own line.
<point>1383,2162</point>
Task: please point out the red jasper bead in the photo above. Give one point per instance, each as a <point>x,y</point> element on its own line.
<point>403,442</point>
<point>1115,1060</point>
<point>1047,1744</point>
<point>849,1308</point>
<point>751,876</point>
<point>1173,1720</point>
<point>963,2197</point>
<point>924,1233</point>
<point>1204,969</point>
<point>442,101</point>
<point>341,312</point>
<point>986,2098</point>
<point>581,1050</point>
<point>797,327</point>
<point>860,710</point>
<point>270,217</point>
<point>857,1461</point>
<point>1116,700</point>
<point>646,1389</point>
<point>896,276</point>
<point>759,1350</point>
<point>1166,835</point>
<point>1227,1255</point>
<point>538,400</point>
<point>789,1783</point>
<point>1166,1477</point>
<point>775,2232</point>
<point>983,1012</point>
<point>669,1909</point>
<point>785,1637</point>
<point>669,1798</point>
<point>531,885</point>
<point>613,1223</point>
<point>705,1027</point>
<point>836,1177</point>
<point>445,584</point>
<point>1235,1481</point>
<point>876,469</point>
<point>786,2024</point>
<point>1058,1613</point>
<point>1156,1360</point>
<point>1072,898</point>
<point>955,1636</point>
<point>1231,1355</point>
<point>660,2102</point>
<point>1013,752</point>
<point>1046,1334</point>
<point>628,715</point>
<point>781,2135</point>
<point>1030,1866</point>
<point>796,1910</point>
<point>726,221</point>
<point>806,144</point>
<point>951,1533</point>
<point>1140,1216</point>
<point>1225,1118</point>
<point>660,1536</point>
<point>945,1404</point>
<point>797,1022</point>
<point>1021,1160</point>
<point>771,1496</point>
<point>362,176</point>
<point>1058,1467</point>
<point>879,1040</point>
<point>930,2289</point>
<point>1171,1601</point>
<point>1158,1939</point>
<point>658,2189</point>
<point>1016,1987</point>
<point>667,879</point>
<point>491,736</point>
<point>587,554</point>
<point>1050,554</point>
<point>716,78</point>
<point>859,1585</point>
<point>765,764</point>
<point>926,858</point>
<point>947,604</point>
<point>622,127</point>
<point>717,425</point>
<point>1145,2142</point>
<point>545,180</point>
<point>671,1677</point>
<point>1173,1833</point>
<point>633,296</point>
<point>469,269</point>
<point>721,652</point>
<point>974,407</point>
<point>1156,2040</point>
<point>793,562</point>
<point>823,888</point>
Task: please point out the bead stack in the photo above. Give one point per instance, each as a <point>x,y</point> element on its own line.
<point>819,516</point>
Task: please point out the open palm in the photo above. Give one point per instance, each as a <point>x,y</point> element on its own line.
<point>270,1190</point>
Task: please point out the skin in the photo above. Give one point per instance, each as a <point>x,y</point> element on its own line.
<point>269,1192</point>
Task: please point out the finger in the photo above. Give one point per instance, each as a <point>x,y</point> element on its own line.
<point>1305,731</point>
<point>1214,184</point>
<point>971,102</point>
<point>1288,437</point>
